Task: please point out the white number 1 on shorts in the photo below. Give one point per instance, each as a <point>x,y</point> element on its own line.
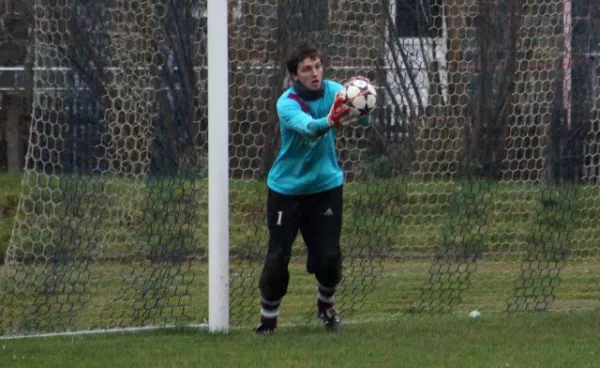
<point>279,217</point>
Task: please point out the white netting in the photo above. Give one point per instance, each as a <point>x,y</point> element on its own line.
<point>105,234</point>
<point>474,187</point>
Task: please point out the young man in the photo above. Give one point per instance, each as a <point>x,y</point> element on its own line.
<point>305,188</point>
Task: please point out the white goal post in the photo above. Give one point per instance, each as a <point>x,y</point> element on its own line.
<point>218,167</point>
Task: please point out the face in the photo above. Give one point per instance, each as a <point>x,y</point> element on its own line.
<point>310,73</point>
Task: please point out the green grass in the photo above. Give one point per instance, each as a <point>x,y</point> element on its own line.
<point>98,296</point>
<point>536,255</point>
<point>531,340</point>
<point>393,231</point>
<point>395,217</point>
<point>10,185</point>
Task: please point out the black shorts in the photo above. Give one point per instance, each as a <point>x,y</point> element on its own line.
<point>318,217</point>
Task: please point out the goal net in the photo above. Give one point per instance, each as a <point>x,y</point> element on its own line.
<point>474,187</point>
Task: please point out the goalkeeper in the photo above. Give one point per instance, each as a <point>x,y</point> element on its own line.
<point>305,187</point>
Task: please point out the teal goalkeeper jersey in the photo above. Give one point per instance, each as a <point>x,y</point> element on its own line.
<point>307,161</point>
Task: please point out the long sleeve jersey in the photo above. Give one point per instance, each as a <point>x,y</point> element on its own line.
<point>307,161</point>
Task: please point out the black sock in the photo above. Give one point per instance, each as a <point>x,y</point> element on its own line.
<point>325,298</point>
<point>269,311</point>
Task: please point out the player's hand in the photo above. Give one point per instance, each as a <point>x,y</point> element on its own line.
<point>341,114</point>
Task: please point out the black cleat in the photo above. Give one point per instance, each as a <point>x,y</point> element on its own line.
<point>331,320</point>
<point>264,330</point>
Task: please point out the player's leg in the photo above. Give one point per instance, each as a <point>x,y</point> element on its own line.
<point>282,221</point>
<point>321,226</point>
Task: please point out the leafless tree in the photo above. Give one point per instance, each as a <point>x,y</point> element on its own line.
<point>498,25</point>
<point>16,20</point>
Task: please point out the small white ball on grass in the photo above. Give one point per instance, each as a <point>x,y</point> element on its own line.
<point>474,314</point>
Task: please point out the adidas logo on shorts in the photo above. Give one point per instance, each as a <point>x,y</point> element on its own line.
<point>329,212</point>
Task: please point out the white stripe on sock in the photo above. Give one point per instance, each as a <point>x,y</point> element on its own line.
<point>269,313</point>
<point>326,289</point>
<point>325,299</point>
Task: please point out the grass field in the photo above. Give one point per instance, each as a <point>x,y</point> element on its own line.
<point>403,216</point>
<point>523,247</point>
<point>533,340</point>
<point>10,187</point>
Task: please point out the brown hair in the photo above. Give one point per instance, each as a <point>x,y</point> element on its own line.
<point>303,51</point>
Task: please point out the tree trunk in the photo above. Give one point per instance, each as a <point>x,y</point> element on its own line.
<point>14,138</point>
<point>276,85</point>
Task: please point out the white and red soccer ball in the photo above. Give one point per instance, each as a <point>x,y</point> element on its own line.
<point>359,95</point>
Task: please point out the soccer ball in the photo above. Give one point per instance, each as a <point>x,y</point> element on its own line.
<point>359,95</point>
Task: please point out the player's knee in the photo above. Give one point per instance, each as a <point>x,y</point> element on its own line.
<point>332,258</point>
<point>276,260</point>
<point>330,268</point>
<point>275,277</point>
